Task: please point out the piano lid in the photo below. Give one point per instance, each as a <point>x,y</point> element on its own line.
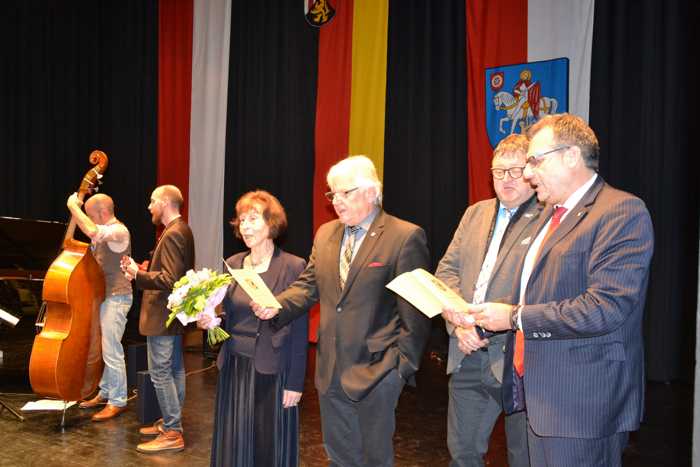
<point>29,246</point>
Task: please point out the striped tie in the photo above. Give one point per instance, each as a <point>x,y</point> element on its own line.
<point>346,256</point>
<point>519,355</point>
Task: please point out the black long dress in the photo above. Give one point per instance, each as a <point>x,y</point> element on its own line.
<point>251,428</point>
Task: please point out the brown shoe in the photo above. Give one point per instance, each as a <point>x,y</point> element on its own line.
<point>169,441</point>
<point>152,430</point>
<point>110,411</point>
<point>94,402</point>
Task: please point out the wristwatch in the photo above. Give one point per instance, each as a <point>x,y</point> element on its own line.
<point>514,312</point>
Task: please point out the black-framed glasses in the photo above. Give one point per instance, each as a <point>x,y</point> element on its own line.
<point>340,194</point>
<point>514,172</point>
<point>535,159</point>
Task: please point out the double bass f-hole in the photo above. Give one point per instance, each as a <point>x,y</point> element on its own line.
<point>40,318</point>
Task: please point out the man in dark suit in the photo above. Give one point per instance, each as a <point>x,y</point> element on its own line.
<point>480,264</point>
<point>172,258</point>
<point>370,341</point>
<point>578,365</point>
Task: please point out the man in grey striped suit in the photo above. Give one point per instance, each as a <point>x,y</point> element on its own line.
<point>578,367</point>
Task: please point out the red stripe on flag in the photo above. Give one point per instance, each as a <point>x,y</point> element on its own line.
<point>332,103</point>
<point>496,35</point>
<point>174,93</point>
<point>332,113</point>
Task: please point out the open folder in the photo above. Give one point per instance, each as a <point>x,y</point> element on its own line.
<point>427,293</point>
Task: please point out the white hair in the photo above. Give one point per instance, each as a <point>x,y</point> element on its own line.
<point>361,170</point>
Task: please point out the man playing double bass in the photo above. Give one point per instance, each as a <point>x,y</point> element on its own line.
<point>110,240</point>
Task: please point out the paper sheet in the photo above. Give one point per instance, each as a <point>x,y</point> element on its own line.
<point>46,404</point>
<point>254,286</point>
<point>426,292</point>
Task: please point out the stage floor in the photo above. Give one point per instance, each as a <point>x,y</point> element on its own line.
<point>664,439</point>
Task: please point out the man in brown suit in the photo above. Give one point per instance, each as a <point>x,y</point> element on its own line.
<point>172,258</point>
<point>370,341</point>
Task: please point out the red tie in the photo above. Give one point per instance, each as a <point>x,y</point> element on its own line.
<point>519,355</point>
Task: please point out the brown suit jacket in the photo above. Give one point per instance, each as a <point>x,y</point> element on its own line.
<point>366,330</point>
<point>172,258</point>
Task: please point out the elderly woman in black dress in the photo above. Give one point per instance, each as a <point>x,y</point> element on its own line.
<point>261,368</point>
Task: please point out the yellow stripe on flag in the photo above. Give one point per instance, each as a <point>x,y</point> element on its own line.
<point>368,89</point>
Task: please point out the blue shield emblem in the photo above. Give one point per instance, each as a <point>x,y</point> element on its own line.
<point>519,95</point>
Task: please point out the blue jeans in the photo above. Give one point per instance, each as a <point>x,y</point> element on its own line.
<point>168,376</point>
<point>113,313</point>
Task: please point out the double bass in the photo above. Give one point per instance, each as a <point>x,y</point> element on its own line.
<point>66,359</point>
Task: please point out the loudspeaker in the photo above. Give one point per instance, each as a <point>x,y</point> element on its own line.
<point>147,407</point>
<point>136,361</point>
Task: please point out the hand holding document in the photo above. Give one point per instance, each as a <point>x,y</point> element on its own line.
<point>428,293</point>
<point>254,286</point>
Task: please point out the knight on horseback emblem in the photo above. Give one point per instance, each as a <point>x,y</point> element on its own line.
<point>527,95</point>
<point>513,112</point>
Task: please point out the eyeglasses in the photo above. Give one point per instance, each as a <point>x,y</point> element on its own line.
<point>514,172</point>
<point>535,159</point>
<point>331,195</point>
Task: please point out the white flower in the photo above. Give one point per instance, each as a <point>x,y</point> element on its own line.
<point>178,296</point>
<point>192,278</point>
<point>174,300</point>
<point>204,275</point>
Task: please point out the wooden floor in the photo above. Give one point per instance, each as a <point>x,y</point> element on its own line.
<point>664,439</point>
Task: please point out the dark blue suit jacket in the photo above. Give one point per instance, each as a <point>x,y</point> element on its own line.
<point>272,350</point>
<point>582,319</point>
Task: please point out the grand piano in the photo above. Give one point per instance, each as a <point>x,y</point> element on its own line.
<point>27,249</point>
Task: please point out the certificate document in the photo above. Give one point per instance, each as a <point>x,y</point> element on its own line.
<point>427,293</point>
<point>254,286</point>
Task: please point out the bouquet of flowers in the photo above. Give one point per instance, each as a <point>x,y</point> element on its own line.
<point>197,293</point>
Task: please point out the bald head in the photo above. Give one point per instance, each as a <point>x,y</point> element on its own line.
<point>100,208</point>
<point>101,202</point>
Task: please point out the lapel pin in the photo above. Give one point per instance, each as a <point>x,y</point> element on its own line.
<point>372,234</point>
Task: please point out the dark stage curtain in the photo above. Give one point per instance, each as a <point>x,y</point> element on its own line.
<point>78,76</point>
<point>640,110</point>
<point>271,115</point>
<point>425,163</point>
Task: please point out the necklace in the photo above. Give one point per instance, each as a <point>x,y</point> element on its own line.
<point>259,266</point>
